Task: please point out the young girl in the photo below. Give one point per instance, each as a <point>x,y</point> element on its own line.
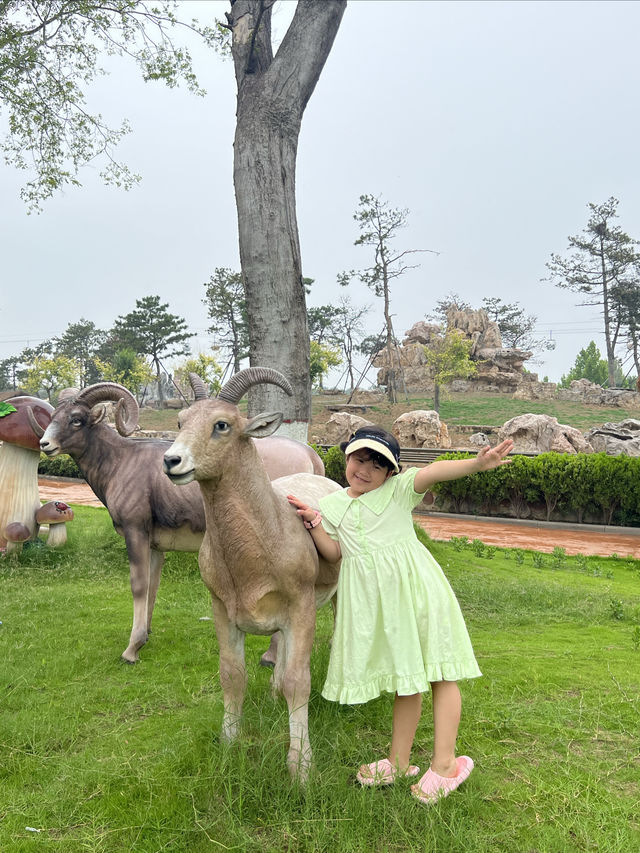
<point>398,624</point>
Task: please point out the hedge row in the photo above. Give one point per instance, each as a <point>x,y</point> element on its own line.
<point>583,487</point>
<point>58,466</point>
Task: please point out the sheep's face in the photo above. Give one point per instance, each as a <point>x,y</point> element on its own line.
<point>67,432</point>
<point>207,432</point>
<point>212,434</point>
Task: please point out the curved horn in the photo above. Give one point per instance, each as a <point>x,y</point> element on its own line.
<point>199,386</point>
<point>33,423</point>
<point>127,410</point>
<point>235,389</point>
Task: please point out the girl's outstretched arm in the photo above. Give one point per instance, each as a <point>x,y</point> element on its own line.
<point>451,469</point>
<point>326,546</point>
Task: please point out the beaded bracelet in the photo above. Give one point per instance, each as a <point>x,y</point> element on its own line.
<point>313,523</point>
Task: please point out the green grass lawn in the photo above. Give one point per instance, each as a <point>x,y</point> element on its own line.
<point>101,756</point>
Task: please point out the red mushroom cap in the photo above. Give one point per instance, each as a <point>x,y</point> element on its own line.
<point>15,427</point>
<point>16,531</point>
<point>54,512</point>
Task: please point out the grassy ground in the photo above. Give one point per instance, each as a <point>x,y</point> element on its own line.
<point>100,756</point>
<point>455,410</point>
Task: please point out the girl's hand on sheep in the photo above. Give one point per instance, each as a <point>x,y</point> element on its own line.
<point>305,512</point>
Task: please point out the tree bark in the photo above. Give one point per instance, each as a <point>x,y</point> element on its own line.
<point>272,95</point>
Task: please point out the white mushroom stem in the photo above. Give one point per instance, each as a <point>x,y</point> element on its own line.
<point>57,534</point>
<point>19,497</point>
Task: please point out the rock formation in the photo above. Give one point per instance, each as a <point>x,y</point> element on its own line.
<point>584,391</point>
<point>421,429</point>
<point>498,369</point>
<point>542,433</point>
<point>340,427</point>
<point>619,439</point>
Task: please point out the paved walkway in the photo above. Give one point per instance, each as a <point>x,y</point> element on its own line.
<point>505,533</point>
<point>535,536</point>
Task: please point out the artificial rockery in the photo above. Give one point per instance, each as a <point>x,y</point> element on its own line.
<point>499,369</point>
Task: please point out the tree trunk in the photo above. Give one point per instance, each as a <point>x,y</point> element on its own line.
<point>272,96</point>
<point>392,393</point>
<point>436,397</point>
<point>611,358</point>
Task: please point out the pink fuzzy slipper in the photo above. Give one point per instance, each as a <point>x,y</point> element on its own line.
<point>382,773</point>
<point>432,787</point>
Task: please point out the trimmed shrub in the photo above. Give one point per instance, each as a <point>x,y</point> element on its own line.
<point>583,484</point>
<point>58,466</point>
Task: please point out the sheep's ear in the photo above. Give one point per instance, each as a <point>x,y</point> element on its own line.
<point>264,424</point>
<point>97,414</point>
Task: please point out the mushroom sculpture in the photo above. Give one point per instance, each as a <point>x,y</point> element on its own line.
<point>55,514</point>
<point>19,457</point>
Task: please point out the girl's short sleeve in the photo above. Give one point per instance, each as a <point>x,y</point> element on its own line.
<point>404,493</point>
<point>329,528</point>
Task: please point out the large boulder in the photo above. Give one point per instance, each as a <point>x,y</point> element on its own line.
<point>616,439</point>
<point>422,333</point>
<point>475,325</point>
<point>541,433</point>
<point>421,429</point>
<point>595,395</point>
<point>341,426</point>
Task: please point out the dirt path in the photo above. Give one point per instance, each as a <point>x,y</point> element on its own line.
<point>532,536</point>
<point>535,537</point>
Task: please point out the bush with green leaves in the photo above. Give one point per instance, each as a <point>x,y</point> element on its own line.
<point>582,484</point>
<point>58,466</point>
<point>334,463</point>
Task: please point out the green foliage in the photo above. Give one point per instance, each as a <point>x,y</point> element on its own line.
<point>549,477</point>
<point>6,409</point>
<point>227,309</point>
<point>82,341</point>
<point>609,478</point>
<point>128,369</point>
<point>321,359</point>
<point>51,375</point>
<point>516,327</point>
<point>203,365</point>
<point>603,258</point>
<point>582,483</point>
<point>58,466</point>
<point>151,330</point>
<point>334,463</point>
<point>49,53</point>
<point>449,358</point>
<point>590,365</point>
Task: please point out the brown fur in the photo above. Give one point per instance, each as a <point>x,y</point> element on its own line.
<point>256,558</point>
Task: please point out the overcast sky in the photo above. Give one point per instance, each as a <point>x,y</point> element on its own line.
<point>494,123</point>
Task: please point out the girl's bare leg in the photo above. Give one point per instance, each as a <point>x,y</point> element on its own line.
<point>406,716</point>
<point>447,708</point>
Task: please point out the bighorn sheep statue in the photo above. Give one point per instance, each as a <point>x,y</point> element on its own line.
<point>151,514</point>
<point>256,558</point>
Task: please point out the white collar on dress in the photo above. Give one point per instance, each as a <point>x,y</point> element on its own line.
<point>335,505</point>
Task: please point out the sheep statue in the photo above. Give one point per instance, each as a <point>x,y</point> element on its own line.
<point>151,514</point>
<point>256,558</point>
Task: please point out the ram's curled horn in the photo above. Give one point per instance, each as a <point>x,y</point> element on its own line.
<point>33,423</point>
<point>126,414</point>
<point>235,389</point>
<point>199,386</point>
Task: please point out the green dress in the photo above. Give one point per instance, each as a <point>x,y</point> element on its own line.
<point>398,623</point>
